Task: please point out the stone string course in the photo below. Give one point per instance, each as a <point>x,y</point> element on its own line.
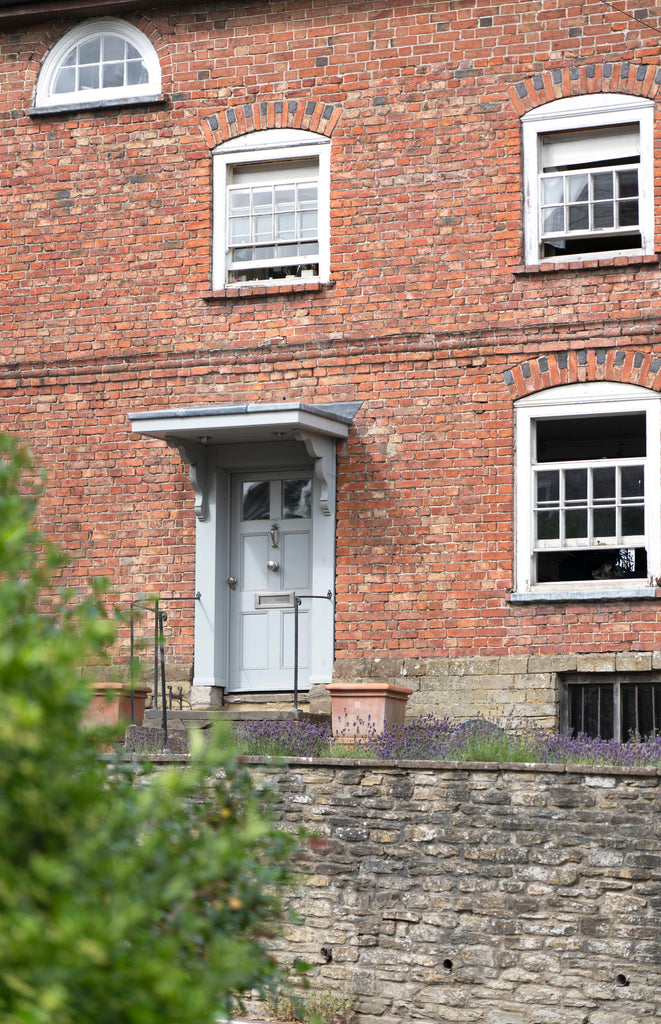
<point>478,894</point>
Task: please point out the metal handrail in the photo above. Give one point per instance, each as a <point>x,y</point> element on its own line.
<point>151,604</point>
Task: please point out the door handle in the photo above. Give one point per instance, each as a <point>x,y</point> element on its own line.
<point>274,531</point>
<point>232,582</point>
<point>273,566</point>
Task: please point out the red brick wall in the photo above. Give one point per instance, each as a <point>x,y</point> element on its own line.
<point>430,319</point>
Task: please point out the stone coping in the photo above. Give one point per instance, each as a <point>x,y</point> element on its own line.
<point>430,765</point>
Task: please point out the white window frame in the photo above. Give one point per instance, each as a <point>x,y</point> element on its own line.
<point>584,112</point>
<point>273,145</point>
<point>46,99</point>
<point>572,401</point>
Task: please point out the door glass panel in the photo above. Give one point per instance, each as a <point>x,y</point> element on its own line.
<point>256,500</point>
<point>296,499</point>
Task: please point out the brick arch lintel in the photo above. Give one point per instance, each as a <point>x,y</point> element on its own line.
<point>579,366</point>
<point>308,115</point>
<point>584,80</point>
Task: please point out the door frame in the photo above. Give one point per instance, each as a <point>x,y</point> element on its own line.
<point>213,561</point>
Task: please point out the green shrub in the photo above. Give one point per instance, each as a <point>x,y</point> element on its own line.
<point>121,900</point>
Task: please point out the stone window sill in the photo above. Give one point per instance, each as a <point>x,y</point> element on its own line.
<point>603,594</point>
<point>548,267</point>
<point>100,105</point>
<point>250,291</point>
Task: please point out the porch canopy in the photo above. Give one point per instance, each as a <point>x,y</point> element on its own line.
<point>227,424</point>
<point>193,430</point>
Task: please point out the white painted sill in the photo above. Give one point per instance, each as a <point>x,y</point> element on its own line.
<point>616,594</point>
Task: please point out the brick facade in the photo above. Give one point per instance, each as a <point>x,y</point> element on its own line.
<point>431,318</point>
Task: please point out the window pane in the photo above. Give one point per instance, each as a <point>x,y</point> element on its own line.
<point>603,484</point>
<point>576,484</point>
<point>575,709</point>
<point>114,48</point>
<point>287,250</point>
<point>239,230</point>
<point>628,213</point>
<point>578,218</point>
<point>113,75</point>
<point>263,228</point>
<point>239,200</point>
<point>90,52</point>
<point>576,523</point>
<point>627,183</point>
<point>591,715</point>
<point>548,525</point>
<point>256,500</point>
<point>606,712</point>
<point>548,485</point>
<point>262,199</point>
<point>552,191</point>
<point>633,521</point>
<point>307,195</point>
<point>88,77</point>
<point>308,223</point>
<point>71,58</point>
<point>633,482</point>
<point>132,53</point>
<point>285,198</point>
<point>554,219</point>
<point>286,225</point>
<point>296,499</point>
<point>242,255</point>
<point>602,186</point>
<point>136,73</point>
<point>628,710</point>
<point>603,522</point>
<point>309,248</point>
<point>577,188</point>
<point>603,215</point>
<point>645,695</point>
<point>65,80</point>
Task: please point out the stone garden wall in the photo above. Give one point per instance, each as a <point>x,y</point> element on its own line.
<point>483,894</point>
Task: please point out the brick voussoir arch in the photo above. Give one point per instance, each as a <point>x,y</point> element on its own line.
<point>586,79</point>
<point>309,115</point>
<point>624,366</point>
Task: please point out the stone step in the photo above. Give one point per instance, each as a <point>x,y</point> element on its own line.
<point>202,719</point>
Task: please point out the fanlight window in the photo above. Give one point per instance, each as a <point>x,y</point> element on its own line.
<point>101,60</point>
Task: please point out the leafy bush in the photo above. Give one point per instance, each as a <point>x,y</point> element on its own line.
<point>120,899</point>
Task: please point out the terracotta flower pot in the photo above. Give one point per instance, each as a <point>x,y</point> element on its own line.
<point>364,709</point>
<point>111,704</point>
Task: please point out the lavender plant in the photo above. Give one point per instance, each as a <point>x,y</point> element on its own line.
<point>435,739</point>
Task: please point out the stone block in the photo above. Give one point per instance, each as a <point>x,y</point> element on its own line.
<point>633,661</point>
<point>595,663</point>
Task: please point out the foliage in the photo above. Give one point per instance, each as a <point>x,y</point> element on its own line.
<point>430,738</point>
<point>145,740</point>
<point>317,1006</point>
<point>121,899</point>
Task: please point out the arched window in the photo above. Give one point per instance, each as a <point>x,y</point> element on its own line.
<point>588,492</point>
<point>271,206</point>
<point>588,169</point>
<point>101,60</point>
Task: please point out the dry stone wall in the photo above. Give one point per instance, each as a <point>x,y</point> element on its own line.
<point>478,894</point>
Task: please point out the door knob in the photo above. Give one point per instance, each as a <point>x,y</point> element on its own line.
<point>232,582</point>
<point>273,566</point>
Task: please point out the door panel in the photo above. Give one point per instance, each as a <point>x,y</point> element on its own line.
<point>296,561</point>
<point>271,551</point>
